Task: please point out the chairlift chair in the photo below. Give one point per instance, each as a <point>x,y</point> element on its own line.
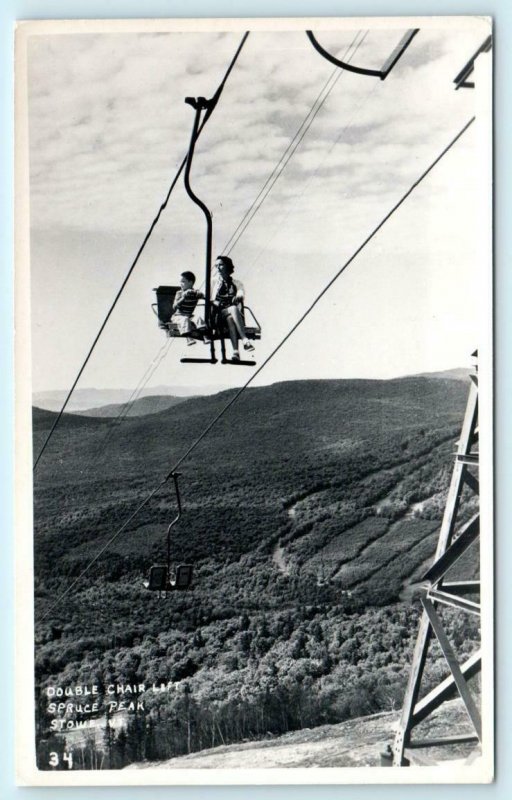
<point>163,310</point>
<point>165,295</point>
<point>163,577</point>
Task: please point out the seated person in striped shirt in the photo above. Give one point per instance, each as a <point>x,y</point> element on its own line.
<point>184,305</point>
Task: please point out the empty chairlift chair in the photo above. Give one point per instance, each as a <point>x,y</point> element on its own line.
<point>163,577</point>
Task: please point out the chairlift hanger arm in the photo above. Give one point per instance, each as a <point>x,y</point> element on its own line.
<point>376,73</point>
<point>175,476</point>
<point>200,104</point>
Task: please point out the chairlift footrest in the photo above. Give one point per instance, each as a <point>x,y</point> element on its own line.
<point>238,363</point>
<point>198,360</point>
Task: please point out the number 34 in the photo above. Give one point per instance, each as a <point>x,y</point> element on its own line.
<point>67,757</point>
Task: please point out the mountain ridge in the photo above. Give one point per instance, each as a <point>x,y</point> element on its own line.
<point>91,401</point>
<point>308,509</point>
<point>154,404</point>
<point>91,398</point>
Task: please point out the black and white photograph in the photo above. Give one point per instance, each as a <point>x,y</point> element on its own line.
<point>254,517</point>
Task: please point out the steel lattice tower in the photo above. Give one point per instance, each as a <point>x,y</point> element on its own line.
<point>439,591</point>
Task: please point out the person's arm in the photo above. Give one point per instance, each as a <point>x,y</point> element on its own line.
<point>177,300</point>
<point>214,289</point>
<point>239,297</point>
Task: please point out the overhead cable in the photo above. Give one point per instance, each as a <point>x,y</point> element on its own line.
<point>141,248</point>
<point>240,391</point>
<point>291,148</point>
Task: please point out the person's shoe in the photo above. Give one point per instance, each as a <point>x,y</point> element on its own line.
<point>248,346</point>
<point>235,356</point>
<point>191,341</point>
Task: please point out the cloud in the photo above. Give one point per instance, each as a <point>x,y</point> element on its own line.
<point>108,125</point>
<point>109,128</point>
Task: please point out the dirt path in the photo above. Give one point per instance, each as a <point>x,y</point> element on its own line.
<point>279,560</point>
<point>355,743</point>
<point>410,584</point>
<point>327,746</point>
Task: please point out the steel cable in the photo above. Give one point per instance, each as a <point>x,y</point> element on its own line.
<point>240,391</point>
<point>139,253</point>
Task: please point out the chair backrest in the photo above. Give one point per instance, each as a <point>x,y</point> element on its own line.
<point>183,576</point>
<point>164,300</point>
<point>158,578</point>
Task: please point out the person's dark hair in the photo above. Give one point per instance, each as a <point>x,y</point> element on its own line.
<point>189,276</point>
<point>227,263</point>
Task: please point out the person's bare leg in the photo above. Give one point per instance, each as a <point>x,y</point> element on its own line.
<point>233,333</point>
<point>235,315</point>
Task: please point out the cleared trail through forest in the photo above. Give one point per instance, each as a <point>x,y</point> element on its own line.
<point>303,505</point>
<point>408,514</point>
<point>279,560</point>
<point>353,584</point>
<point>409,585</point>
<point>293,508</point>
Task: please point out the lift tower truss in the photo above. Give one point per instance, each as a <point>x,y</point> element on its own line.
<point>437,591</point>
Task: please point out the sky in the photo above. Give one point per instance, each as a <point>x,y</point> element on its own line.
<point>108,128</point>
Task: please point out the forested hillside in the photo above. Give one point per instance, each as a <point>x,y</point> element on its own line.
<point>308,510</point>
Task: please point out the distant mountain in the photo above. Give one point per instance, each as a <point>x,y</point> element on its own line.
<point>456,374</point>
<point>315,410</point>
<point>87,399</point>
<point>108,402</point>
<point>144,405</point>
